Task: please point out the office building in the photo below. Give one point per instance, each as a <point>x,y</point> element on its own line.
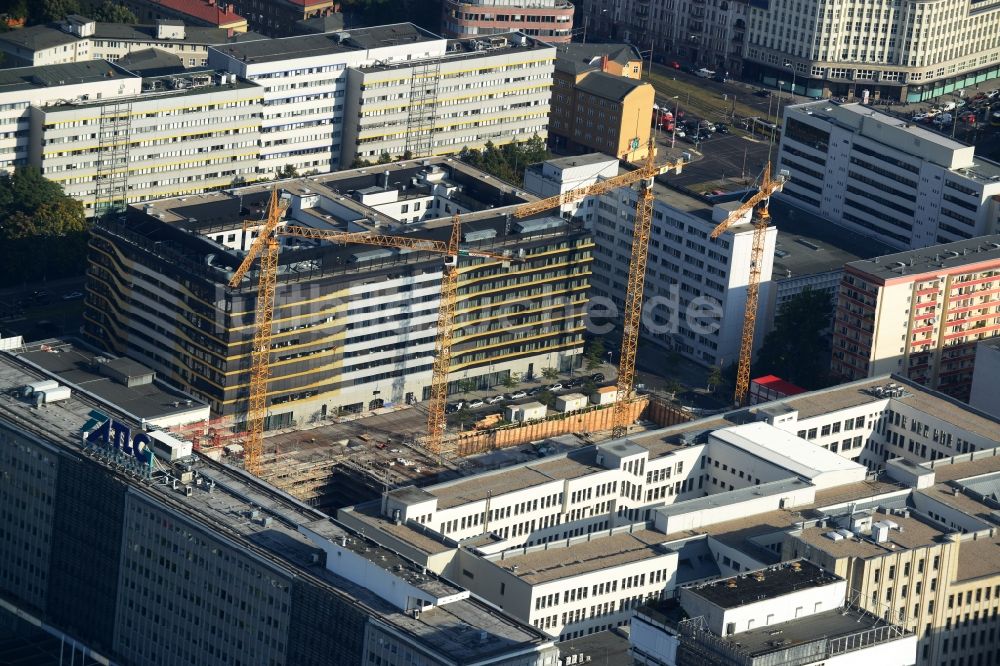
<point>166,561</point>
<point>354,326</point>
<point>550,21</point>
<point>181,134</point>
<point>700,33</point>
<point>984,395</point>
<point>908,52</point>
<point>919,313</point>
<point>599,102</point>
<point>207,13</point>
<point>274,18</point>
<point>78,39</point>
<point>695,289</point>
<point>881,483</point>
<point>880,176</point>
<point>792,613</point>
<point>395,90</point>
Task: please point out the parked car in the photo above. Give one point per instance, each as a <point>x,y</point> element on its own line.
<point>475,404</point>
<point>534,391</point>
<point>555,387</point>
<point>455,406</point>
<point>704,135</point>
<point>722,128</point>
<point>494,400</point>
<point>597,377</point>
<point>517,395</point>
<point>673,64</point>
<point>72,296</point>
<point>679,133</point>
<point>762,92</point>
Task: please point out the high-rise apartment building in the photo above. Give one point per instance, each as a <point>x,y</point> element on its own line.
<point>354,326</point>
<point>155,561</point>
<point>695,293</point>
<point>550,21</point>
<point>880,176</point>
<point>919,313</point>
<point>181,134</point>
<point>907,51</point>
<point>333,98</point>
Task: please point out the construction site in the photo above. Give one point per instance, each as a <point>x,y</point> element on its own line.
<point>327,321</point>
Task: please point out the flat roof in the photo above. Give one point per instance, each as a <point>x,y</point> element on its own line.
<point>570,161</point>
<point>38,37</point>
<point>978,558</point>
<point>784,449</point>
<point>148,93</point>
<point>808,245</point>
<point>599,552</point>
<point>730,497</point>
<point>306,46</point>
<point>945,258</point>
<point>74,365</point>
<point>828,625</point>
<point>917,531</point>
<point>609,86</point>
<point>235,494</point>
<point>771,583</point>
<point>71,73</point>
<point>602,647</point>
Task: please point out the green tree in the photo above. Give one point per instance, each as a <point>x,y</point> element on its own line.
<point>385,157</point>
<point>594,353</point>
<point>512,380</point>
<point>672,386</point>
<point>508,161</point>
<point>715,379</point>
<point>43,232</point>
<point>550,374</point>
<point>287,171</point>
<point>47,11</point>
<point>798,349</point>
<point>466,385</point>
<point>547,398</point>
<point>112,12</point>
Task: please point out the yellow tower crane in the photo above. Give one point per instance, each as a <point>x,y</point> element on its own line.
<point>637,265</point>
<point>266,247</point>
<point>768,186</point>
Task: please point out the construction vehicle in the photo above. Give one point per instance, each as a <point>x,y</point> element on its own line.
<point>768,186</point>
<point>645,176</point>
<point>266,247</point>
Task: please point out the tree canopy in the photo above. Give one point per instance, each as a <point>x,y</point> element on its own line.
<point>798,349</point>
<point>424,13</point>
<point>113,12</point>
<point>508,161</point>
<point>43,232</point>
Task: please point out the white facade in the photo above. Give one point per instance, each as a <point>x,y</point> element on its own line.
<point>26,87</point>
<point>985,394</point>
<point>879,176</point>
<point>180,140</point>
<point>909,51</point>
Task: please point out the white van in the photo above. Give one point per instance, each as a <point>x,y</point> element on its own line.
<point>705,73</point>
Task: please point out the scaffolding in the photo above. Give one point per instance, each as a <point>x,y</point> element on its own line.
<point>423,108</point>
<point>111,186</point>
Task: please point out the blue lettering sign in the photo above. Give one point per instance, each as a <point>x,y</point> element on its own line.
<point>118,437</point>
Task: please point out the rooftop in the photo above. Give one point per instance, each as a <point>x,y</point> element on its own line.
<point>916,532</point>
<point>307,46</point>
<point>609,86</point>
<point>47,76</point>
<point>785,449</point>
<point>771,583</point>
<point>728,498</point>
<point>185,83</point>
<point>955,257</point>
<point>808,245</point>
<point>603,647</point>
<point>216,13</point>
<point>576,58</point>
<point>452,628</point>
<point>38,38</point>
<point>978,558</point>
<point>151,62</point>
<point>599,552</point>
<point>74,365</point>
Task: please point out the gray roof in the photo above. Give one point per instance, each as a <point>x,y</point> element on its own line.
<point>577,58</point>
<point>337,42</point>
<point>193,34</point>
<point>151,62</point>
<point>26,78</point>
<point>608,86</point>
<point>933,259</point>
<point>38,38</point>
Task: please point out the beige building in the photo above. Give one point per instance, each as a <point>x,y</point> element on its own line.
<point>909,51</point>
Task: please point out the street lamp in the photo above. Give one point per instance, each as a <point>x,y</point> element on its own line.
<point>788,65</point>
<point>673,133</point>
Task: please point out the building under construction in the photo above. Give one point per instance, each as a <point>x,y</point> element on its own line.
<point>354,326</point>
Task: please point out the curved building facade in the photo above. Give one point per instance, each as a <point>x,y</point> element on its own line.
<point>549,20</point>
